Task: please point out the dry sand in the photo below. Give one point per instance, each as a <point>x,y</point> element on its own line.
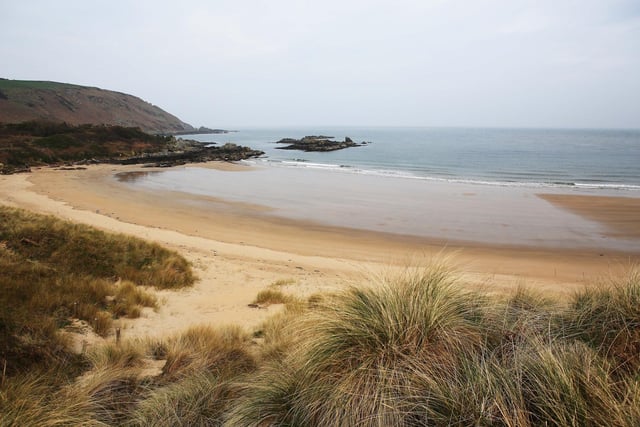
<point>237,250</point>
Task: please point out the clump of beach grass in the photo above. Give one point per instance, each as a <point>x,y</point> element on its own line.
<point>280,333</point>
<point>419,350</point>
<point>198,383</point>
<point>82,250</point>
<point>208,349</point>
<point>123,354</point>
<point>35,399</point>
<point>607,317</point>
<point>129,299</point>
<point>570,384</point>
<point>112,393</point>
<point>273,294</point>
<point>200,399</point>
<point>359,344</point>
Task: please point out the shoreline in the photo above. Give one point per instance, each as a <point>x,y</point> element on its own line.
<point>240,248</point>
<point>438,213</point>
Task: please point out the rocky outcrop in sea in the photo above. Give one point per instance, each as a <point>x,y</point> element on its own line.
<point>318,143</point>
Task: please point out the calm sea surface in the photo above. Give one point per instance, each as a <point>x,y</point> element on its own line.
<point>607,159</point>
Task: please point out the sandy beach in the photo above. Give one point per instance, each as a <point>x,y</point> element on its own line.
<point>239,247</point>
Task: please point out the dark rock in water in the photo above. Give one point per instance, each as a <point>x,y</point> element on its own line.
<point>317,143</point>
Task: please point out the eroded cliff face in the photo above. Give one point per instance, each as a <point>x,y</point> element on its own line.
<point>22,100</point>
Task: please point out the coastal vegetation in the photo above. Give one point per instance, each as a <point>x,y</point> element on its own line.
<point>416,348</point>
<point>40,143</point>
<point>54,271</point>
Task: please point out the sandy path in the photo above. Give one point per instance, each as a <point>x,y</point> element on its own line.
<point>237,252</point>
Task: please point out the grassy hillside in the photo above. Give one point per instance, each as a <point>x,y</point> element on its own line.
<point>43,143</point>
<point>38,143</point>
<point>53,271</point>
<point>22,100</point>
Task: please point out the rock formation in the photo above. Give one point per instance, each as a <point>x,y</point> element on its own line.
<point>318,143</point>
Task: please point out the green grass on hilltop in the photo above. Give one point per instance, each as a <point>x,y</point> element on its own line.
<point>34,84</point>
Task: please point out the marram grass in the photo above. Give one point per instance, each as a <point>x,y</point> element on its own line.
<point>607,317</point>
<point>358,347</point>
<point>54,270</point>
<point>418,350</point>
<point>415,349</point>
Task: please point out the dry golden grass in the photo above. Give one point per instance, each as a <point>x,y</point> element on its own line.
<point>53,270</point>
<point>417,350</point>
<point>271,296</point>
<point>34,400</point>
<point>207,349</point>
<point>413,349</point>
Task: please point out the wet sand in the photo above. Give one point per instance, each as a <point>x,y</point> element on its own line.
<point>239,247</point>
<point>620,215</point>
<point>448,213</point>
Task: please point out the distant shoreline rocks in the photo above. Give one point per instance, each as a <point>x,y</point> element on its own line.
<point>228,152</point>
<point>318,143</point>
<point>40,143</point>
<point>201,131</point>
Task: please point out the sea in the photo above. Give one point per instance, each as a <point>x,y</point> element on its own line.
<point>450,184</point>
<point>584,158</point>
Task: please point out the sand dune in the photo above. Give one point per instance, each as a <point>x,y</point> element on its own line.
<point>238,251</point>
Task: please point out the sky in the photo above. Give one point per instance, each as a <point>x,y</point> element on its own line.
<point>233,64</point>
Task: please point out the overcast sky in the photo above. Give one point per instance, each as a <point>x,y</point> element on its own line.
<point>223,63</point>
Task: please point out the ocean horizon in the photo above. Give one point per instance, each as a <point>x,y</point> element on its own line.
<point>607,159</point>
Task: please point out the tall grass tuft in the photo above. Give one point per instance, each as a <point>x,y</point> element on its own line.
<point>423,312</point>
<point>272,296</point>
<point>207,349</point>
<point>478,390</point>
<point>129,299</point>
<point>35,400</point>
<point>197,385</point>
<point>273,397</point>
<point>125,354</point>
<point>358,348</point>
<point>200,399</point>
<point>569,384</point>
<point>112,393</point>
<point>608,319</point>
<point>524,315</point>
<point>281,332</point>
